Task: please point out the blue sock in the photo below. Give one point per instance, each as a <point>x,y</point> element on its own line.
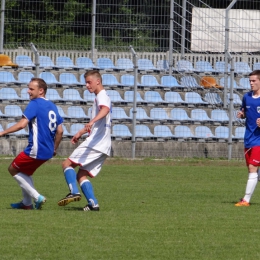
<point>87,190</point>
<point>70,176</point>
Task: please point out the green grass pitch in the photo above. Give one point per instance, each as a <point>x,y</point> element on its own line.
<point>148,210</point>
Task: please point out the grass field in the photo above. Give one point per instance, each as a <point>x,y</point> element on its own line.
<point>148,210</point>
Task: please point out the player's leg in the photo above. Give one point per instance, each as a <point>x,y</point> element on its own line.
<point>70,177</point>
<point>21,168</point>
<point>253,160</point>
<point>91,168</point>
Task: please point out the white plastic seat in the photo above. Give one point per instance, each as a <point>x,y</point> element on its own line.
<point>88,97</point>
<point>128,80</point>
<point>244,83</point>
<point>190,82</point>
<point>222,132</point>
<point>220,67</point>
<point>222,83</point>
<point>46,62</point>
<point>109,80</point>
<point>185,66</point>
<point>213,98</point>
<point>8,78</point>
<point>149,81</point>
<point>115,97</point>
<point>240,132</point>
<point>236,99</point>
<point>74,128</point>
<point>62,113</point>
<point>242,68</point>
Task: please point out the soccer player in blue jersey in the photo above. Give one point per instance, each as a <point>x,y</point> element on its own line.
<point>90,154</point>
<point>45,134</point>
<point>250,110</point>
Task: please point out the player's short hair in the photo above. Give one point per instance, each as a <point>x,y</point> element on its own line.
<point>41,83</point>
<point>94,73</point>
<point>255,73</point>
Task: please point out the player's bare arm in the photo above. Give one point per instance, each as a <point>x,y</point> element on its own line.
<point>241,114</point>
<point>102,113</point>
<point>18,126</point>
<point>58,138</point>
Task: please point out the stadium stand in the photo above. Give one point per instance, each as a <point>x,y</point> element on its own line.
<point>235,86</point>
<point>141,115</point>
<point>142,132</point>
<point>49,78</point>
<point>119,115</point>
<point>106,64</point>
<point>180,115</point>
<point>86,63</point>
<point>121,132</point>
<point>125,64</point>
<point>72,96</point>
<point>242,68</point>
<point>153,97</point>
<point>146,66</point>
<point>200,115</point>
<point>76,113</point>
<point>63,62</point>
<point>204,67</point>
<point>69,79</point>
<point>163,132</point>
<point>24,62</point>
<point>174,98</point>
<point>66,132</point>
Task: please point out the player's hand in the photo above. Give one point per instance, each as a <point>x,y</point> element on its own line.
<point>75,139</point>
<point>258,122</point>
<point>54,153</point>
<point>241,114</point>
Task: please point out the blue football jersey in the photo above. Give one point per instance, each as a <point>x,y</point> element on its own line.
<point>43,119</point>
<point>251,108</point>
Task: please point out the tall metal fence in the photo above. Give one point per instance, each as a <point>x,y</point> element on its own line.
<point>163,32</point>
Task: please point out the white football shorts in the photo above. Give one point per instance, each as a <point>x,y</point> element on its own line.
<point>89,160</point>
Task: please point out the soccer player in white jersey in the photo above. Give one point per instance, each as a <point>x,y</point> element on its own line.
<point>90,154</point>
<point>45,134</point>
<point>250,110</point>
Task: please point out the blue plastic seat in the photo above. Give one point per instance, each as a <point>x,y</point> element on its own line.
<point>162,65</point>
<point>88,97</point>
<point>53,95</point>
<point>174,98</point>
<point>179,114</point>
<point>200,115</point>
<point>62,113</point>
<point>154,97</point>
<point>72,95</point>
<point>24,61</point>
<point>219,115</point>
<point>244,83</point>
<point>121,131</point>
<point>25,77</point>
<point>8,78</point>
<point>240,132</point>
<point>182,131</point>
<point>141,115</point>
<point>160,114</point>
<point>77,112</point>
<point>70,79</point>
<point>222,132</point>
<point>170,82</point>
<point>190,82</point>
<point>204,66</point>
<point>110,80</point>
<point>106,64</point>
<point>85,63</point>
<point>220,67</point>
<point>21,133</point>
<point>125,64</point>
<point>146,65</point>
<point>9,94</point>
<point>185,66</point>
<point>128,80</point>
<point>24,94</point>
<point>203,132</point>
<point>213,98</point>
<point>236,99</point>
<point>49,78</point>
<point>222,83</point>
<point>163,131</point>
<point>194,98</point>
<point>143,132</point>
<point>242,68</point>
<point>150,81</point>
<point>119,115</point>
<point>115,97</point>
<point>66,133</point>
<point>13,111</point>
<point>129,97</point>
<point>63,62</point>
<point>74,128</point>
<point>46,62</point>
<point>256,66</point>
